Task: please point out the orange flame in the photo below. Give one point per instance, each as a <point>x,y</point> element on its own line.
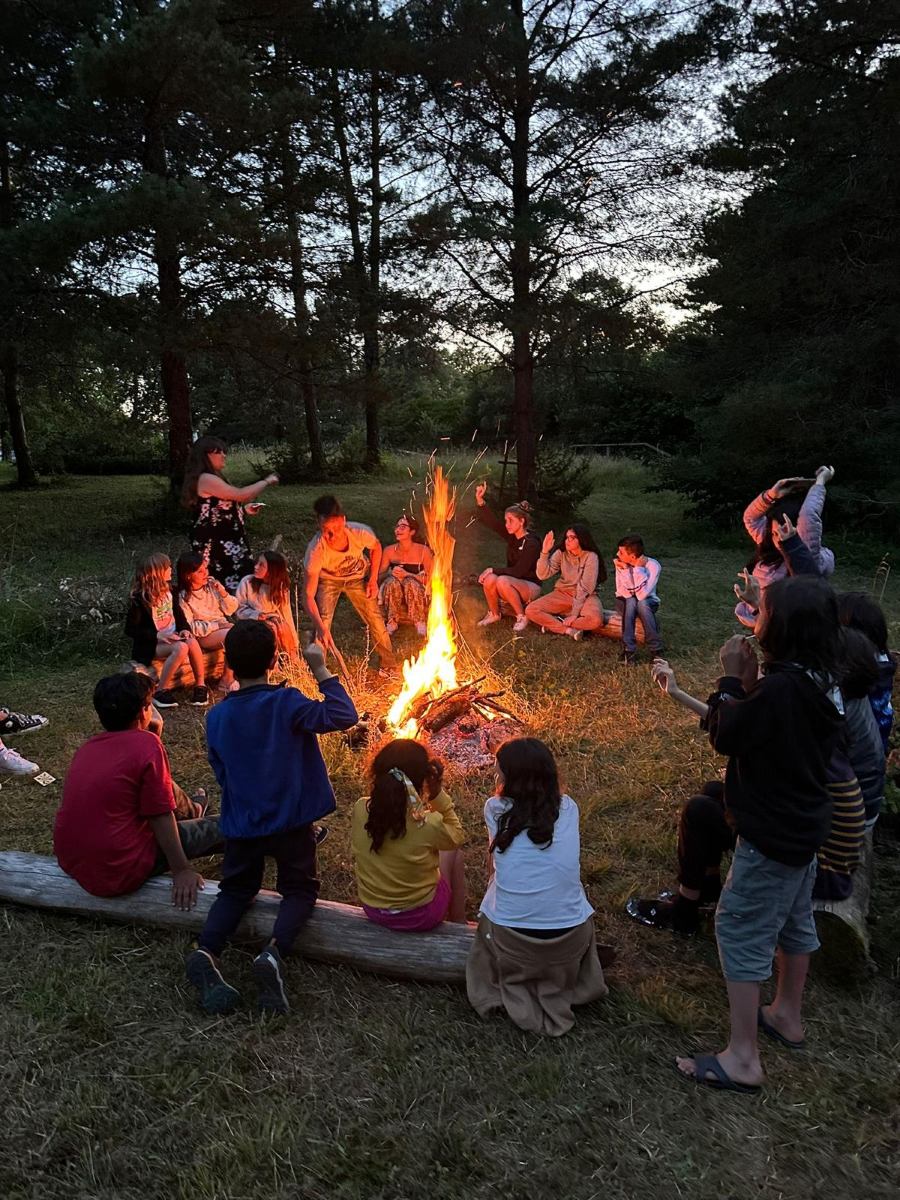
<point>434,670</point>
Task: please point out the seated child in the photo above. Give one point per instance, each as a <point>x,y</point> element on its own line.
<point>266,757</point>
<point>858,610</point>
<point>122,819</point>
<point>266,596</point>
<point>636,598</point>
<point>159,629</point>
<point>535,950</point>
<point>405,838</point>
<point>207,607</point>
<point>574,605</point>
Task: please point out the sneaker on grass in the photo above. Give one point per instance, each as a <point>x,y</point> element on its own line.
<point>165,699</point>
<point>14,764</point>
<point>489,619</point>
<point>14,724</point>
<point>215,995</point>
<point>200,696</point>
<point>267,974</point>
<point>520,624</point>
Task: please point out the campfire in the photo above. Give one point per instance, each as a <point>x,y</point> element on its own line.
<point>460,721</point>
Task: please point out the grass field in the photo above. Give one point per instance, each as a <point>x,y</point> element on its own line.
<point>115,1086</point>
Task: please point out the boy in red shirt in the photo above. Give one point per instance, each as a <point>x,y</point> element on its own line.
<point>122,819</point>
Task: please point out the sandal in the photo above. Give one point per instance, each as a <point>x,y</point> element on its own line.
<point>706,1064</point>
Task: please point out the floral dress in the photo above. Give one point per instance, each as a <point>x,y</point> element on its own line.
<point>219,535</point>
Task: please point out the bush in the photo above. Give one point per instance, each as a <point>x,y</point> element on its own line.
<point>564,481</point>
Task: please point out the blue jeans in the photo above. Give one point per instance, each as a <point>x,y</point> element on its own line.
<point>330,591</point>
<point>631,609</point>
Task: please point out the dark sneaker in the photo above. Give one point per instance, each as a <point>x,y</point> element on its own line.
<point>200,696</point>
<point>165,699</point>
<point>678,915</point>
<point>321,833</point>
<point>15,724</point>
<point>216,996</point>
<point>628,657</point>
<point>266,969</point>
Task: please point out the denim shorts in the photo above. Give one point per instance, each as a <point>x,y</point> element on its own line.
<point>764,904</point>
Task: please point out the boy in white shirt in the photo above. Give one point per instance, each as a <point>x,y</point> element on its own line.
<point>636,598</point>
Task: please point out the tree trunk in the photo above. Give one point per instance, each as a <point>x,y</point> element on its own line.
<point>26,475</point>
<point>520,262</point>
<point>371,343</point>
<point>173,364</point>
<point>9,355</point>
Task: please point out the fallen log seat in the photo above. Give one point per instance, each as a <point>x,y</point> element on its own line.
<point>612,627</point>
<point>184,676</point>
<point>336,933</point>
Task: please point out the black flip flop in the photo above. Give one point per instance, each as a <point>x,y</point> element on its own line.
<point>771,1032</point>
<point>721,1081</point>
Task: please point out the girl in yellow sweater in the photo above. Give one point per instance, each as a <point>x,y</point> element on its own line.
<point>405,839</point>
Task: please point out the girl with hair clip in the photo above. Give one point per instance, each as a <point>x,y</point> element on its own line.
<point>535,950</point>
<point>266,596</point>
<point>516,584</point>
<point>405,837</point>
<point>159,629</point>
<point>218,533</point>
<point>574,605</point>
<point>208,608</point>
<point>406,577</point>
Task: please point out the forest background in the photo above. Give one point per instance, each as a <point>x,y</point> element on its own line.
<point>334,228</point>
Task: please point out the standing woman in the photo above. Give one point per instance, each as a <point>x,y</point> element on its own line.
<point>218,533</point>
<point>573,606</point>
<point>405,577</point>
<point>516,584</point>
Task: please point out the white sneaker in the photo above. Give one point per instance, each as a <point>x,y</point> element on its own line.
<point>576,634</point>
<point>520,624</point>
<point>489,619</point>
<point>392,627</point>
<point>14,764</point>
<point>421,628</point>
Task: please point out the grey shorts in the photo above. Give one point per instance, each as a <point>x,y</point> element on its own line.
<point>764,904</point>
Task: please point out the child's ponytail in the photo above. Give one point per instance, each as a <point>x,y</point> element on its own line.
<point>398,774</point>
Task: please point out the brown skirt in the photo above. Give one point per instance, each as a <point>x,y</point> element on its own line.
<point>536,981</point>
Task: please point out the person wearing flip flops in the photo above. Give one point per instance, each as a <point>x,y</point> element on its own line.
<point>264,750</point>
<point>779,730</point>
<point>14,724</point>
<point>122,818</point>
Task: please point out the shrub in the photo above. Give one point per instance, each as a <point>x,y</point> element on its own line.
<point>564,481</point>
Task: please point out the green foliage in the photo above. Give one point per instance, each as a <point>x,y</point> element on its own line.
<point>564,480</point>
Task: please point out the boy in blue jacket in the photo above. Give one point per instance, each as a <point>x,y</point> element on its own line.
<point>266,758</point>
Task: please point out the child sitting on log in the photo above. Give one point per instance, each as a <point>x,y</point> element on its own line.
<point>405,838</point>
<point>122,819</point>
<point>265,754</point>
<point>207,607</point>
<point>636,600</point>
<point>535,950</point>
<point>266,596</point>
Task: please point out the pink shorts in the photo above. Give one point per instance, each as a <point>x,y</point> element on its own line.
<point>415,920</point>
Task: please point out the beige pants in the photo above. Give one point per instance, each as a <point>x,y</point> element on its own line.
<point>550,609</point>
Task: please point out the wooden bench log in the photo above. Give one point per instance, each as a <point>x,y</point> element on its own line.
<point>184,676</point>
<point>336,933</point>
<point>612,627</point>
<point>842,928</point>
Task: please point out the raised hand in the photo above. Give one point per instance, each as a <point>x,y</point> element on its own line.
<point>783,529</point>
<point>749,593</point>
<point>480,489</point>
<point>738,658</point>
<point>548,543</point>
<point>314,656</point>
<point>824,475</point>
<point>790,484</point>
<point>663,674</point>
<point>434,778</point>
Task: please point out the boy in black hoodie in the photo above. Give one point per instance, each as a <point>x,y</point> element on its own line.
<point>779,732</point>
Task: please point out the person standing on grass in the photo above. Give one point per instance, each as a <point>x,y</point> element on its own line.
<point>122,819</point>
<point>207,607</point>
<point>534,955</point>
<point>636,600</point>
<point>516,584</point>
<point>780,731</point>
<point>158,628</point>
<point>573,607</point>
<point>264,751</point>
<point>218,532</point>
<point>405,838</point>
<point>336,564</point>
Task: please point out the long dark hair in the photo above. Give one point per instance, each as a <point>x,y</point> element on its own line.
<point>277,579</point>
<point>859,670</point>
<point>798,623</point>
<point>767,551</point>
<point>859,611</point>
<point>586,542</point>
<point>198,464</point>
<point>388,799</point>
<point>531,785</point>
<point>187,564</point>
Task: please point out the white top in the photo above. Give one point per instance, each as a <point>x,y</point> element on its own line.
<point>207,609</point>
<point>341,564</point>
<point>534,888</point>
<point>255,603</point>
